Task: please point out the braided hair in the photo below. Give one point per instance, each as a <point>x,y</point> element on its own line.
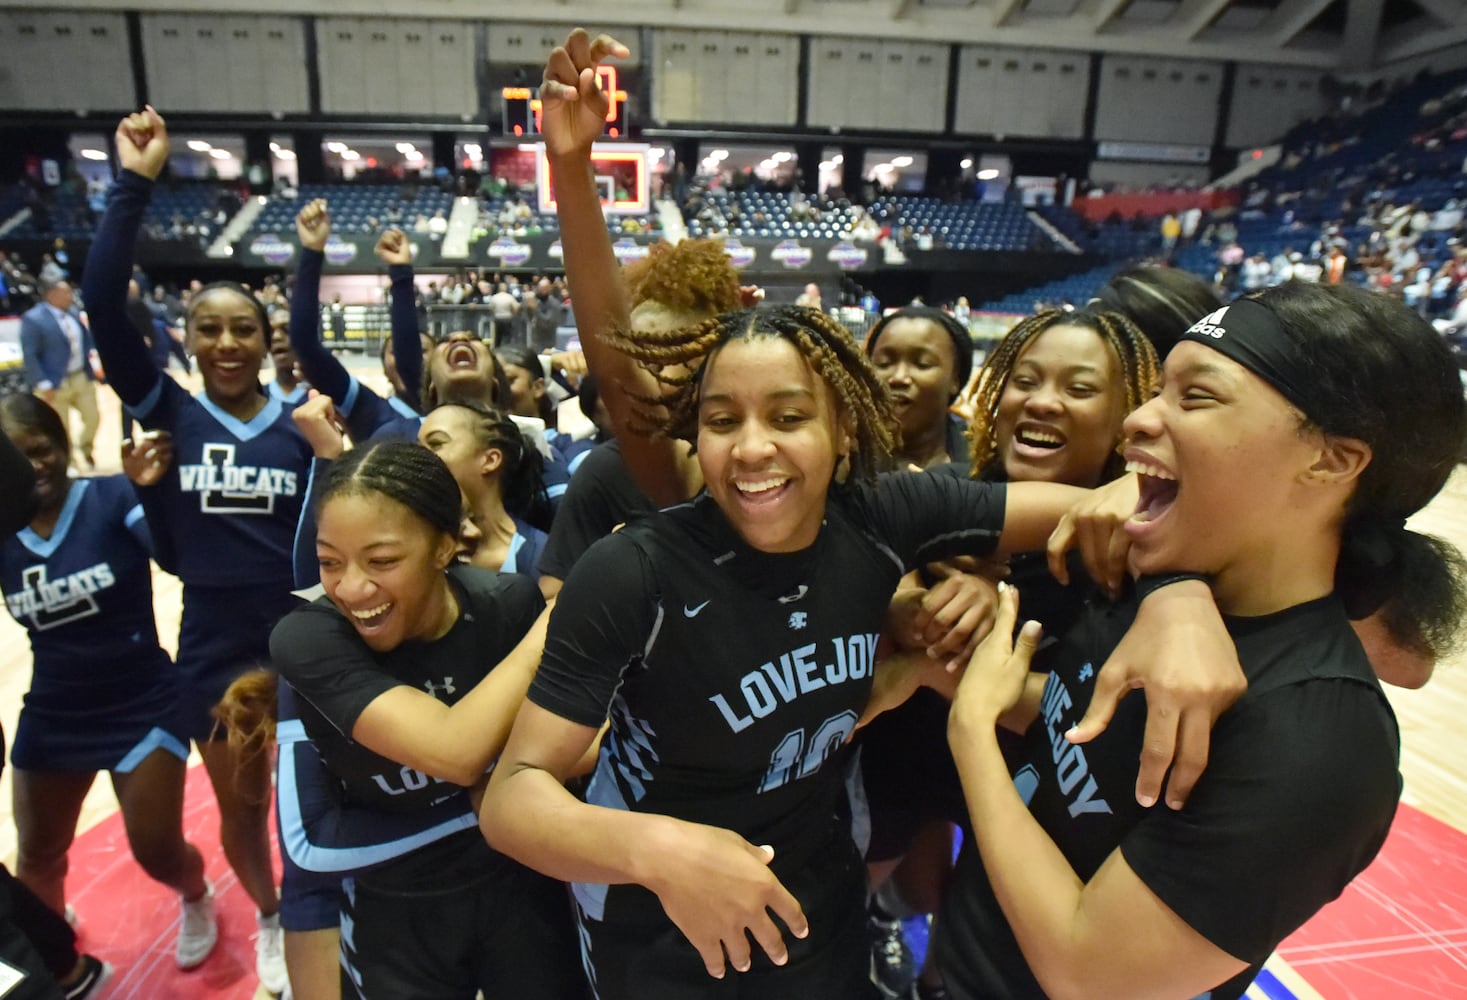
<point>827,346</point>
<point>403,471</point>
<point>522,473</point>
<point>1140,374</point>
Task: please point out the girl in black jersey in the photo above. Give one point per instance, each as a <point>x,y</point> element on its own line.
<point>925,357</point>
<point>392,670</point>
<point>729,639</point>
<point>499,474</point>
<point>1294,433</point>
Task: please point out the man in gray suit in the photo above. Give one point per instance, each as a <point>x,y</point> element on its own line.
<point>57,349</point>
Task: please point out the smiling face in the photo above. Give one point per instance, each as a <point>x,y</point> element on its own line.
<point>462,367</point>
<point>769,437</point>
<point>280,352</point>
<point>915,358</point>
<point>1059,417</point>
<point>228,342</point>
<point>48,457</point>
<point>382,566</point>
<point>1222,456</point>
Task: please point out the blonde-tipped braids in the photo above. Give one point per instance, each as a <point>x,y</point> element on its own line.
<point>1138,365</point>
<point>865,407</point>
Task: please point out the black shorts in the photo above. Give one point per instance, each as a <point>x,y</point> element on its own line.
<point>634,955</point>
<point>510,934</point>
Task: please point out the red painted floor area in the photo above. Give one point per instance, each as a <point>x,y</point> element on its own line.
<point>1400,929</point>
<point>131,921</point>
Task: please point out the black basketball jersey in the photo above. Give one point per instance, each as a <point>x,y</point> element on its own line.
<point>1299,792</point>
<point>733,677</point>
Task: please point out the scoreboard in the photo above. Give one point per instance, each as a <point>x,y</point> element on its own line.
<point>522,107</point>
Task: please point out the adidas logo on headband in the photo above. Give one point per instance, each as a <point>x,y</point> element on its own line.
<point>1211,324</point>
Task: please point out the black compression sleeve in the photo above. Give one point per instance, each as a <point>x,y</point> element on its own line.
<point>407,347</point>
<point>317,363</point>
<point>125,354</point>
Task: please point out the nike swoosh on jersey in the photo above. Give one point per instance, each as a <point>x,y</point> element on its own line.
<point>693,611</point>
<point>792,598</point>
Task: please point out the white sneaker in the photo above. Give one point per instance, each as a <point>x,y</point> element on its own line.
<point>198,930</point>
<point>270,954</point>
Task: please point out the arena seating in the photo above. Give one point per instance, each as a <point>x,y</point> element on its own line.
<point>354,206</point>
<point>770,214</point>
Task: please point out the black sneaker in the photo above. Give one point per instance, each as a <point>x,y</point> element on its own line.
<point>893,966</point>
<point>95,974</point>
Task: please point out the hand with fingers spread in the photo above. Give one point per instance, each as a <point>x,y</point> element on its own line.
<point>313,225</point>
<point>718,889</point>
<point>573,105</point>
<point>393,247</point>
<point>998,670</point>
<point>1180,653</point>
<point>147,459</point>
<point>320,425</point>
<point>1095,527</point>
<point>142,143</point>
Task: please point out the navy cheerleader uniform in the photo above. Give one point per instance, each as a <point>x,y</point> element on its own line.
<point>732,678</point>
<point>232,497</point>
<point>103,691</point>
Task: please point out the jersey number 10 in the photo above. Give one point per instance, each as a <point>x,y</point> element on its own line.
<point>793,758</point>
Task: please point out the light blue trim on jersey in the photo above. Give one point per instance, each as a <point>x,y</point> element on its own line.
<point>133,516</point>
<point>353,391</point>
<point>149,402</point>
<point>295,542</point>
<point>242,430</point>
<point>575,463</point>
<point>556,490</point>
<point>403,407</point>
<point>511,564</point>
<point>602,791</point>
<point>46,547</point>
<point>315,858</point>
<point>157,739</point>
<point>295,397</point>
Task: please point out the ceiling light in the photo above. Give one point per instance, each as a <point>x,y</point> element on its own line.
<point>336,147</point>
<point>93,154</point>
<point>199,145</point>
<point>718,154</point>
<point>901,161</point>
<point>827,164</point>
<point>220,154</point>
<point>285,154</point>
<point>987,175</point>
<point>350,154</point>
<point>838,159</point>
<point>406,147</point>
<point>967,162</point>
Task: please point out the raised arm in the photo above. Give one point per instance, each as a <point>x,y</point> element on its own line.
<point>573,117</point>
<point>142,149</point>
<point>396,252</point>
<point>319,365</point>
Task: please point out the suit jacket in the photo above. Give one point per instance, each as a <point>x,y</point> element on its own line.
<point>46,350</point>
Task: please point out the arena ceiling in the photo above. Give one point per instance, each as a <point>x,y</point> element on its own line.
<point>1349,37</point>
